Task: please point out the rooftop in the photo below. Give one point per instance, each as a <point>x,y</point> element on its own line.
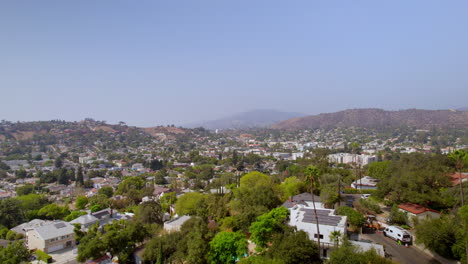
<point>54,229</point>
<point>415,208</point>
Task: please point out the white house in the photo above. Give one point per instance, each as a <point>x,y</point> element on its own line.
<point>52,237</point>
<point>302,217</point>
<point>176,223</point>
<point>365,183</point>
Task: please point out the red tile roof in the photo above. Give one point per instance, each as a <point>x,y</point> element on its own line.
<point>455,178</point>
<point>415,208</point>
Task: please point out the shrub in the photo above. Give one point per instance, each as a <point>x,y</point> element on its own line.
<point>41,255</point>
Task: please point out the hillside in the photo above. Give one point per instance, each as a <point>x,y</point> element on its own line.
<point>250,119</point>
<point>378,118</point>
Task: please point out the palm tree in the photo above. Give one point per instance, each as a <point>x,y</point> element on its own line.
<point>335,237</point>
<point>354,149</point>
<point>460,157</point>
<point>311,173</point>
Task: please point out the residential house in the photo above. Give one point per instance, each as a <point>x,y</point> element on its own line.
<point>85,221</point>
<point>176,223</point>
<point>304,218</point>
<point>365,183</point>
<point>455,178</point>
<point>51,237</point>
<point>419,212</point>
<point>25,227</point>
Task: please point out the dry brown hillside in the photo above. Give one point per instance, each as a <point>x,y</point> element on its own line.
<point>378,118</point>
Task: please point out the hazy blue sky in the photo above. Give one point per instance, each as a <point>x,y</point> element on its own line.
<point>163,62</point>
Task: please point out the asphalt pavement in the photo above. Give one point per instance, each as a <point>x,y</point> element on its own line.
<point>400,253</point>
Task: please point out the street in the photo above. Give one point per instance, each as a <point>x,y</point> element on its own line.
<point>399,253</point>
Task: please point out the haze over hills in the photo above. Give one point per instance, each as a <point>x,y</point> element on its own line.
<point>250,119</point>
<point>379,118</point>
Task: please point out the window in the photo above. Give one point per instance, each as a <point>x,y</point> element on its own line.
<point>321,236</point>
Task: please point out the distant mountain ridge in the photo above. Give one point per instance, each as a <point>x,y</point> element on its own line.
<point>251,119</point>
<point>378,118</point>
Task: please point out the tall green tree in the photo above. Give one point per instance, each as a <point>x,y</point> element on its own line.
<point>227,247</point>
<point>312,174</point>
<point>460,157</point>
<point>266,225</point>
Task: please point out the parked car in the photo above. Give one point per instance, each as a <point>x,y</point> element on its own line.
<point>398,234</point>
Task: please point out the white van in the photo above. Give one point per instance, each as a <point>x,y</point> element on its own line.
<point>397,233</point>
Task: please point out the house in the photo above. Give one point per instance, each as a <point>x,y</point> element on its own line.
<point>23,228</point>
<point>365,183</point>
<point>159,191</point>
<point>85,221</point>
<point>176,223</point>
<point>455,178</point>
<point>304,199</point>
<point>304,217</point>
<point>417,211</point>
<point>51,237</point>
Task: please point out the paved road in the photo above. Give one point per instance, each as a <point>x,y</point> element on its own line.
<point>398,253</point>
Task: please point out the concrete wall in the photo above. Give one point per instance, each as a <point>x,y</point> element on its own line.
<point>34,240</point>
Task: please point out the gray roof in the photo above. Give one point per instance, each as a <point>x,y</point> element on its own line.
<point>30,225</point>
<point>55,229</point>
<point>300,199</point>
<point>84,220</point>
<point>178,221</point>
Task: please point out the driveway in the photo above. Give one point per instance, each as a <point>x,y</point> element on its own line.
<point>400,253</point>
<point>64,256</point>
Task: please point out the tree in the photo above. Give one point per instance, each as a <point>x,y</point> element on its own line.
<point>438,235</point>
<point>79,177</point>
<point>348,254</point>
<point>312,173</point>
<point>227,247</point>
<point>11,213</point>
<point>460,157</point>
<point>25,189</point>
<point>53,212</point>
<point>58,162</point>
<point>106,191</point>
<point>189,203</point>
<point>354,217</point>
<point>266,225</point>
<point>14,253</point>
<point>73,215</point>
<point>293,247</point>
<point>379,170</point>
<point>150,213</point>
<point>256,195</point>
<point>290,187</point>
<point>81,202</point>
<point>335,237</point>
<point>397,216</point>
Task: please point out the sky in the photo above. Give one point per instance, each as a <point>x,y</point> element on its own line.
<point>175,62</point>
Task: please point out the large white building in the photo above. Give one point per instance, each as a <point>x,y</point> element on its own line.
<point>346,158</point>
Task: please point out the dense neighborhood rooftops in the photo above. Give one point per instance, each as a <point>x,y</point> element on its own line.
<point>54,229</point>
<point>415,208</point>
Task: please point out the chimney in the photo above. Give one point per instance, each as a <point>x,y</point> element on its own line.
<point>290,198</point>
